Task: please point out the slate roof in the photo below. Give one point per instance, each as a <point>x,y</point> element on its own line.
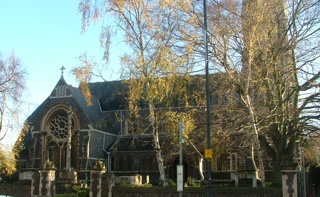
<point>92,112</point>
<point>107,96</point>
<point>35,113</point>
<point>111,94</point>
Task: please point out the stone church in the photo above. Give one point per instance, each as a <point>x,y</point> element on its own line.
<point>73,135</point>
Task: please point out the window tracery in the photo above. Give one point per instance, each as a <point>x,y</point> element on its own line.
<point>59,125</point>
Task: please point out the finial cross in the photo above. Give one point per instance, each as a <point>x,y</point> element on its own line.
<point>62,69</point>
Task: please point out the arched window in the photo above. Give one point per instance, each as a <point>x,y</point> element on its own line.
<point>58,125</point>
<point>54,153</point>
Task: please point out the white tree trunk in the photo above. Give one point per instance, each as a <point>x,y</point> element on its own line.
<point>256,144</point>
<point>157,147</point>
<point>160,159</point>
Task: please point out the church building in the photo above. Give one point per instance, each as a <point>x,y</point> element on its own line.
<point>74,135</point>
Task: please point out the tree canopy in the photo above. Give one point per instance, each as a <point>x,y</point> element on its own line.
<point>266,55</point>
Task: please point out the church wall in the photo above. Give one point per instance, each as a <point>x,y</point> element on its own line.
<point>108,141</point>
<point>130,163</point>
<point>96,145</point>
<point>82,134</point>
<point>36,152</point>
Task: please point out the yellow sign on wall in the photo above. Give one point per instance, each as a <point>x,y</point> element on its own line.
<point>208,153</point>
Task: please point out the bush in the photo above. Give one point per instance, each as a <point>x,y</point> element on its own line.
<point>81,192</point>
<point>171,183</point>
<point>193,182</point>
<point>147,185</point>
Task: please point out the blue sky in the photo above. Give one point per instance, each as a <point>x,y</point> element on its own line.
<point>46,35</point>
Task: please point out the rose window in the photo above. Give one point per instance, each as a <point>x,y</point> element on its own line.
<point>59,125</point>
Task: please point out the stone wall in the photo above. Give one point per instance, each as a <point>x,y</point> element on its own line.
<point>130,180</point>
<point>196,192</point>
<point>16,190</point>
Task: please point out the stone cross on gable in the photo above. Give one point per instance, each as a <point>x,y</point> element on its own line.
<point>62,69</point>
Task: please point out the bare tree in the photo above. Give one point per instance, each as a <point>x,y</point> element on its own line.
<point>12,86</point>
<point>274,69</point>
<point>268,52</point>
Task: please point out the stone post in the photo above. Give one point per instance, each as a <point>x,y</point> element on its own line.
<point>289,177</point>
<point>96,179</point>
<point>107,183</point>
<point>290,183</point>
<point>35,183</point>
<point>47,180</point>
<point>235,177</point>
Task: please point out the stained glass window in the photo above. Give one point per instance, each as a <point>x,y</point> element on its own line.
<point>59,125</point>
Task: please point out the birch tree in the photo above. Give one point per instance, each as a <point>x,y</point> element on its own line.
<point>267,53</point>
<point>153,61</point>
<point>12,86</point>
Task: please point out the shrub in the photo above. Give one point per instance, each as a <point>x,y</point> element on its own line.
<point>81,192</point>
<point>171,183</point>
